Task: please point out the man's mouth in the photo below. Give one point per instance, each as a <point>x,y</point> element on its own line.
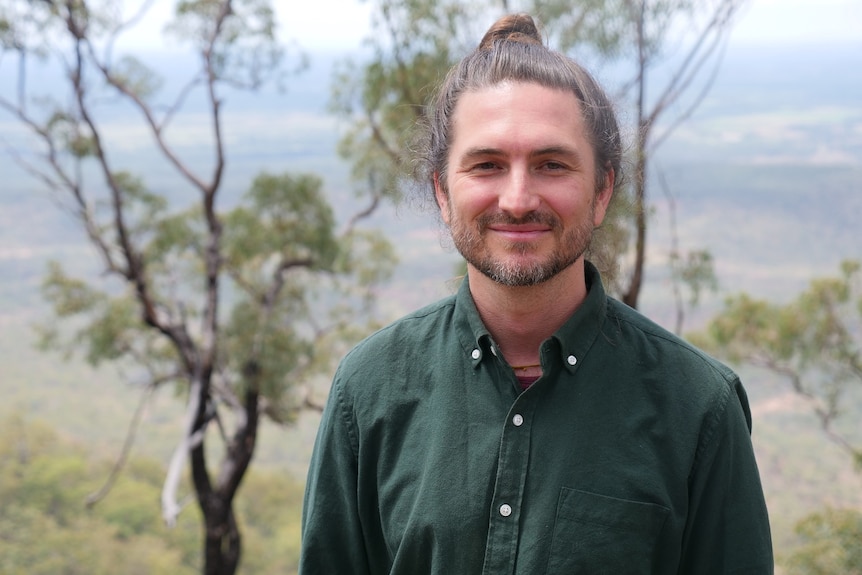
<point>530,227</point>
<point>519,233</point>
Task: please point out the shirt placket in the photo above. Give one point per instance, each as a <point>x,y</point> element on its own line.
<point>514,457</point>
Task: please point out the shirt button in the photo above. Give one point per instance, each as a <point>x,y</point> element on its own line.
<point>505,510</point>
<point>518,420</point>
<point>572,360</point>
<point>476,353</point>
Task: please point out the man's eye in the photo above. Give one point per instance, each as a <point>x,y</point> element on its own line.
<point>484,166</point>
<point>554,166</point>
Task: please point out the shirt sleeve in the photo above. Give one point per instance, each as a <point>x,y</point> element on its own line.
<point>727,530</point>
<point>332,539</point>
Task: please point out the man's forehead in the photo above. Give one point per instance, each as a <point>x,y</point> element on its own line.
<point>516,102</point>
<point>518,118</point>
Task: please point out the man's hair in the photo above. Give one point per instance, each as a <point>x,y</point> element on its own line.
<point>512,50</point>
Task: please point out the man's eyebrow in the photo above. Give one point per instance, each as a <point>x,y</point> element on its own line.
<point>481,152</point>
<point>561,150</point>
<point>567,151</point>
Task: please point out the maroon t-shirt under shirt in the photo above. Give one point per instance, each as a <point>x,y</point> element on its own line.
<point>527,380</point>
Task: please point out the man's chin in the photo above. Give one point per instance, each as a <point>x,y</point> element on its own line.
<point>516,275</point>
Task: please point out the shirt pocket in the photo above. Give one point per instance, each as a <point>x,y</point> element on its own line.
<point>595,534</point>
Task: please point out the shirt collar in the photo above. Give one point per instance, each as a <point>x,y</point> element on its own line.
<point>577,335</point>
<point>474,336</point>
<point>573,339</point>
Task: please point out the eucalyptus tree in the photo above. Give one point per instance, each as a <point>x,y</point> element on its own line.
<point>234,306</point>
<point>381,96</point>
<point>414,42</point>
<point>814,343</point>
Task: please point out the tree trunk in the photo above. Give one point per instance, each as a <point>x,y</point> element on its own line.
<point>630,297</point>
<point>222,538</point>
<point>223,542</point>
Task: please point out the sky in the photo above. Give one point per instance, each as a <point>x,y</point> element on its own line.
<point>340,25</point>
<point>762,21</point>
<point>800,22</point>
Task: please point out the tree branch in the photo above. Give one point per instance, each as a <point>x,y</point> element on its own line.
<point>674,254</point>
<point>135,266</point>
<point>178,103</point>
<point>378,136</point>
<point>688,70</point>
<point>365,213</point>
<point>698,100</point>
<point>95,497</point>
<point>115,33</point>
<point>65,181</point>
<point>155,127</point>
<point>825,415</point>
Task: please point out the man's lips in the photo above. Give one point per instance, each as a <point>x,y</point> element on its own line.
<point>520,232</point>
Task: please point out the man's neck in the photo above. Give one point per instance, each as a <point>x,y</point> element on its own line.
<point>521,318</point>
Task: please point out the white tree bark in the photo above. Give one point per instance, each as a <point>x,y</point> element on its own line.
<point>170,505</point>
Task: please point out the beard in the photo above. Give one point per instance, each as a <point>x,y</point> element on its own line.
<point>514,267</point>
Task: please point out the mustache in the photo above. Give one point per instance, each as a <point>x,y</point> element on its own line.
<point>544,218</point>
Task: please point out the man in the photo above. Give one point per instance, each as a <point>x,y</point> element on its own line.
<point>530,424</point>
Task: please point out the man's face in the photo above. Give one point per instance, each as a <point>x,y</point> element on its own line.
<point>519,197</point>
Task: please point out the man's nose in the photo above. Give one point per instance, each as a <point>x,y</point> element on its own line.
<point>518,195</point>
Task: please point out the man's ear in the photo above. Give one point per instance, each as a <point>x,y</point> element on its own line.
<point>442,198</point>
<point>603,197</point>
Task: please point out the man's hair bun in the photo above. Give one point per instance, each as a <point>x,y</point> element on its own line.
<point>512,28</point>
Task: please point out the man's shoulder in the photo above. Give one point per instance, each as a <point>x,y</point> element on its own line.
<point>404,334</point>
<point>665,360</point>
<point>652,338</point>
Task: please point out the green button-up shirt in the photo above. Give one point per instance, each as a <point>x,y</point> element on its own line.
<point>631,454</point>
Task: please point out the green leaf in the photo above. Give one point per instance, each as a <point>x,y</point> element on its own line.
<point>67,295</point>
<point>137,77</point>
